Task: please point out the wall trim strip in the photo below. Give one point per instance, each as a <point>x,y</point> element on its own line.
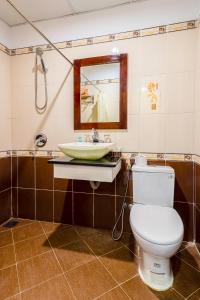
<point>187,25</point>
<point>123,155</point>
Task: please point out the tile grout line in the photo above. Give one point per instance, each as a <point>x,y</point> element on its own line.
<point>187,246</point>
<point>35,187</point>
<point>72,201</point>
<point>17,186</point>
<point>93,203</point>
<point>192,293</point>
<point>16,262</point>
<point>5,190</point>
<point>27,259</point>
<point>125,282</point>
<point>198,270</point>
<point>102,263</point>
<point>11,171</point>
<point>178,292</point>
<point>55,256</point>
<point>35,286</point>
<point>53,197</point>
<point>194,202</point>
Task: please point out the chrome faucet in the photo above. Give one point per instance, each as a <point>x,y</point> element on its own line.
<point>95,136</point>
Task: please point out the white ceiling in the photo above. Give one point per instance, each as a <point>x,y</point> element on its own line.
<point>37,10</point>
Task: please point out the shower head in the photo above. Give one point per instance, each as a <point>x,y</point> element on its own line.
<point>39,51</point>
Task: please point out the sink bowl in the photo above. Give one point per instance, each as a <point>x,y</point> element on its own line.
<point>90,151</point>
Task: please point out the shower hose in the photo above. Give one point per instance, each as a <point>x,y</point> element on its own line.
<point>117,234</point>
<point>40,109</point>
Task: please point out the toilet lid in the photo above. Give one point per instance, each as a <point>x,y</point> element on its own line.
<point>156,224</point>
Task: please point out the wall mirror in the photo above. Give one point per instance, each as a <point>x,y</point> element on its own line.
<point>100,92</point>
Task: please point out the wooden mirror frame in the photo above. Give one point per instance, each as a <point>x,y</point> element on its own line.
<point>78,63</point>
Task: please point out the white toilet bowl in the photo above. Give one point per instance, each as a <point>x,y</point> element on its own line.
<point>159,234</point>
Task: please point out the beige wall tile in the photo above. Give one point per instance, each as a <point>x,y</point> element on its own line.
<point>181,49</point>
<point>5,102</point>
<point>179,133</point>
<point>179,92</point>
<point>169,58</point>
<point>151,133</point>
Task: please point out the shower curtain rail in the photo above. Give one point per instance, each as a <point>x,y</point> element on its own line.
<point>46,38</point>
<point>40,32</point>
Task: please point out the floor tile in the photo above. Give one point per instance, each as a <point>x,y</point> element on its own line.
<point>3,229</point>
<point>49,226</point>
<point>74,255</point>
<point>8,282</point>
<point>186,278</point>
<point>16,297</point>
<point>195,296</point>
<point>191,256</point>
<point>36,270</point>
<point>61,237</point>
<point>7,256</point>
<point>102,242</point>
<point>23,222</point>
<point>115,294</point>
<point>54,289</point>
<point>5,238</point>
<point>121,264</point>
<point>31,247</point>
<point>184,245</point>
<point>129,240</point>
<point>137,290</point>
<point>25,232</point>
<point>86,232</point>
<point>90,280</point>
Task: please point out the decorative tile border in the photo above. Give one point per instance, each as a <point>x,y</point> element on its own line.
<point>123,155</point>
<point>106,38</point>
<point>5,154</point>
<point>102,81</point>
<point>4,49</point>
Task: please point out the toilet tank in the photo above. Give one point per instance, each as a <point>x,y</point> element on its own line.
<point>153,185</point>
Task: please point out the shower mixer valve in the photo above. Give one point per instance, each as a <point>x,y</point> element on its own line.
<point>40,140</point>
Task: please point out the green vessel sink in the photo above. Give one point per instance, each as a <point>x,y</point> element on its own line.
<point>90,151</point>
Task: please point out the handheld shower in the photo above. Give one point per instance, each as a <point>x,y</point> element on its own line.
<point>43,70</point>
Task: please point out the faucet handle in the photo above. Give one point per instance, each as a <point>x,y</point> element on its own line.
<point>87,138</point>
<point>107,138</point>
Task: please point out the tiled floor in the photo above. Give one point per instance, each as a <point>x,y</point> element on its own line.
<point>47,261</point>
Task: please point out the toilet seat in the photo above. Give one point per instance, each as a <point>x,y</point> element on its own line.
<point>156,224</point>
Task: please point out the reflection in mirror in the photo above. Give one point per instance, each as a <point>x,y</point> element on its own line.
<point>100,93</point>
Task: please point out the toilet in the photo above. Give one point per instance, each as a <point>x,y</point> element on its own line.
<point>156,226</point>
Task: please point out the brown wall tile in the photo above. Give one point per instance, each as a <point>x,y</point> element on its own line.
<point>26,175</point>
<point>61,184</point>
<point>184,180</point>
<point>197,212</point>
<point>14,171</point>
<point>104,211</point>
<point>83,209</point>
<point>5,173</point>
<point>119,202</point>
<point>83,202</point>
<point>15,202</point>
<point>122,180</point>
<point>185,210</point>
<point>44,205</point>
<point>156,162</point>
<point>5,205</point>
<point>63,207</point>
<point>106,188</point>
<point>82,186</point>
<point>44,173</point>
<point>26,203</point>
<point>197,182</point>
